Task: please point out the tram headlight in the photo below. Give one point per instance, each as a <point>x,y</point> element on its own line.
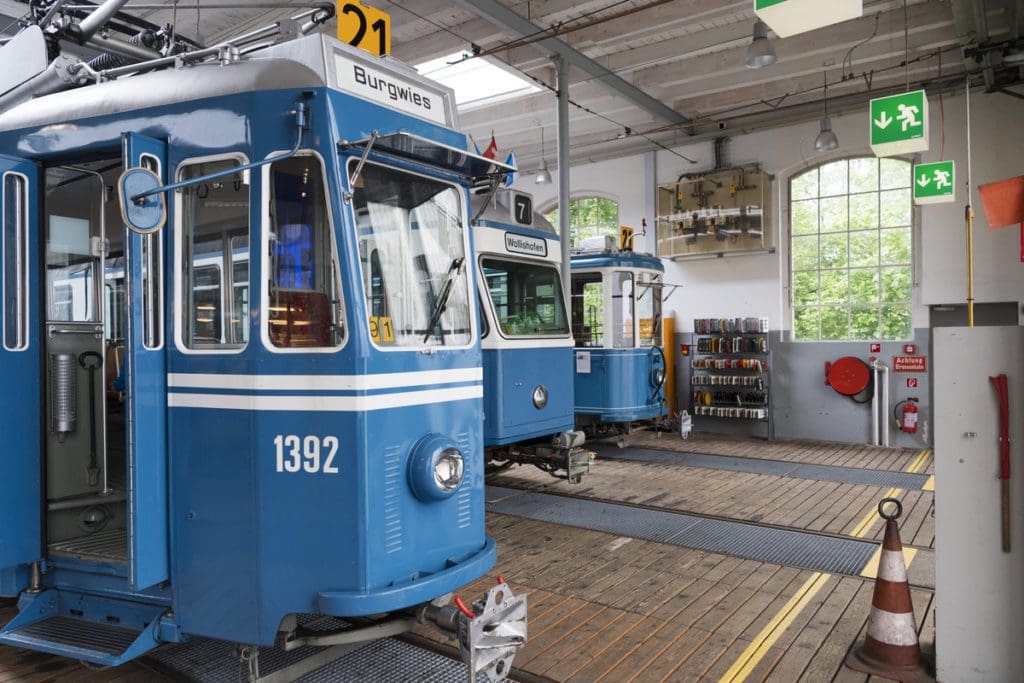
<point>540,397</point>
<point>658,376</point>
<point>436,468</point>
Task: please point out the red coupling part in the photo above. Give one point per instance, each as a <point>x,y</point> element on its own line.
<point>462,608</point>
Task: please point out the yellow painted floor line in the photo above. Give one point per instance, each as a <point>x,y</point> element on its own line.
<point>768,636</point>
<point>930,484</point>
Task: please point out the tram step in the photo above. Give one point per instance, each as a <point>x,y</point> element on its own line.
<point>95,630</point>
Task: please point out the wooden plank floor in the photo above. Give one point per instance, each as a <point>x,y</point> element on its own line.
<point>609,608</point>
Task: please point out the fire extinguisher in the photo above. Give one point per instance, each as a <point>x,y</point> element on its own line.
<point>905,413</point>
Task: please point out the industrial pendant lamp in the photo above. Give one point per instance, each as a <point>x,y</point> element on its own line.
<point>760,53</point>
<point>826,140</point>
<point>543,174</point>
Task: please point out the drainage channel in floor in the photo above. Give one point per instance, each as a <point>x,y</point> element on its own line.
<point>738,539</point>
<point>779,468</point>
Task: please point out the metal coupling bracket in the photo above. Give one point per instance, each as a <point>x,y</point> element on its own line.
<point>489,642</point>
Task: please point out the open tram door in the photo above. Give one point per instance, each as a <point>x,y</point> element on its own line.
<point>20,353</point>
<point>146,385</point>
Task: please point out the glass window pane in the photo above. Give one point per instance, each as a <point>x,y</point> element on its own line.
<point>896,246</point>
<point>806,323</point>
<point>15,251</point>
<point>805,289</point>
<point>622,310</point>
<point>897,208</point>
<point>835,324</point>
<point>864,248</point>
<point>73,230</point>
<point>805,252</point>
<point>648,309</point>
<point>304,302</point>
<point>588,310</point>
<point>864,211</point>
<point>864,286</point>
<point>527,298</point>
<point>896,321</point>
<point>805,186</point>
<point>834,179</point>
<point>834,216</point>
<point>864,322</point>
<point>835,287</point>
<point>834,250</point>
<point>152,279</point>
<point>863,175</point>
<point>894,173</point>
<point>412,250</point>
<point>805,217</point>
<point>215,232</point>
<point>896,284</point>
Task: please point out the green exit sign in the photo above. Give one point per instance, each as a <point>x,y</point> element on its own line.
<point>935,183</point>
<point>789,17</point>
<point>899,124</point>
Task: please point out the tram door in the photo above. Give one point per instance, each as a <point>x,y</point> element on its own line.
<point>20,452</point>
<point>146,384</point>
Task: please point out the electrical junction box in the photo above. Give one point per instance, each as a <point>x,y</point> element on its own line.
<point>790,17</point>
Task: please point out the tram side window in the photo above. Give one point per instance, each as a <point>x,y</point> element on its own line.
<point>622,310</point>
<point>152,278</point>
<point>215,256</point>
<point>304,290</point>
<point>15,253</point>
<point>527,298</point>
<point>588,310</point>
<point>648,309</point>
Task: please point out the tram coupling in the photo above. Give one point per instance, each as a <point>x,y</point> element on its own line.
<point>490,631</point>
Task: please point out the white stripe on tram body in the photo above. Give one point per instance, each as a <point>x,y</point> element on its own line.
<point>335,404</point>
<point>394,380</point>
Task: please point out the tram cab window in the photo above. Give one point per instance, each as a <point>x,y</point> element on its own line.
<point>215,258</point>
<point>413,257</point>
<point>622,310</point>
<point>304,303</point>
<point>527,298</point>
<point>648,308</point>
<point>588,310</point>
<point>74,246</point>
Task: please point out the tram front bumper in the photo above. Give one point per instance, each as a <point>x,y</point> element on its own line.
<point>410,593</point>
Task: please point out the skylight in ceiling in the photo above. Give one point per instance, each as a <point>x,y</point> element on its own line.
<point>476,82</point>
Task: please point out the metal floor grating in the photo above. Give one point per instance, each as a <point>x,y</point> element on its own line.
<point>88,635</point>
<point>779,468</point>
<point>739,539</point>
<point>213,661</point>
<point>106,545</point>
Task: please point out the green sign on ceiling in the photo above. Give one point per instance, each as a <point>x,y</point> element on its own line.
<point>935,183</point>
<point>899,124</point>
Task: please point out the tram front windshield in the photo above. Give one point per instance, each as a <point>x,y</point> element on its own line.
<point>413,257</point>
<point>527,298</point>
<point>648,308</point>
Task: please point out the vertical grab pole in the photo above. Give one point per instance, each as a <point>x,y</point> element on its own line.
<point>564,188</point>
<point>969,216</point>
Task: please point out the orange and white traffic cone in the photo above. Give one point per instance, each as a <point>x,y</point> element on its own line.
<point>890,649</point>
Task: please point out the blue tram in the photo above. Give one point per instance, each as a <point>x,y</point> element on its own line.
<point>616,322</point>
<point>527,345</point>
<point>264,400</point>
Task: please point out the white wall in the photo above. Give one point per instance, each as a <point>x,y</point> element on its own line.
<point>757,285</point>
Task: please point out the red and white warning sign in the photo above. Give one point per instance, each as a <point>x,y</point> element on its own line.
<point>910,364</point>
<point>910,349</point>
<point>911,383</point>
<point>876,347</point>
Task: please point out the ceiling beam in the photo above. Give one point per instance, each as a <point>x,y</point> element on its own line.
<point>506,19</point>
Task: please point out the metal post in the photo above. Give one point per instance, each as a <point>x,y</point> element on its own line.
<point>874,403</point>
<point>564,188</point>
<point>969,215</point>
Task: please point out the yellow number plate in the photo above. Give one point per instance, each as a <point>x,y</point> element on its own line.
<point>382,330</point>
<point>364,27</point>
<point>625,238</point>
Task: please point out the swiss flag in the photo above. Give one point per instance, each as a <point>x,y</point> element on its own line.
<point>492,149</point>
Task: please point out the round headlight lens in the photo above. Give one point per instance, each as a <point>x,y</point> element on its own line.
<point>448,469</point>
<point>659,376</point>
<point>540,397</point>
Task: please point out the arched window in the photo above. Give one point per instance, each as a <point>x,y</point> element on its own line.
<point>590,217</point>
<point>851,250</point>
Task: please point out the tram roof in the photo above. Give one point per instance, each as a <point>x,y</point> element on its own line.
<point>307,62</point>
<point>621,259</point>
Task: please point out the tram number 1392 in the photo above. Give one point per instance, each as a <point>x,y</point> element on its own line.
<point>311,454</point>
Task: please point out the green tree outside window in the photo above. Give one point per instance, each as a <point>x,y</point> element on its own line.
<point>590,217</point>
<point>851,250</point>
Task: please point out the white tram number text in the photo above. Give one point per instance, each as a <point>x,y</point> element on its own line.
<point>310,454</point>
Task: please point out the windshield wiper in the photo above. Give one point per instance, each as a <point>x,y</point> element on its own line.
<point>454,270</point>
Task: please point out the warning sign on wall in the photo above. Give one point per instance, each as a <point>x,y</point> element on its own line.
<point>909,364</point>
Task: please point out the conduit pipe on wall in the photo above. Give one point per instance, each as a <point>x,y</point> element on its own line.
<point>880,430</point>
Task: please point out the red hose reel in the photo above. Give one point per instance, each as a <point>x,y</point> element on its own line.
<point>849,376</point>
